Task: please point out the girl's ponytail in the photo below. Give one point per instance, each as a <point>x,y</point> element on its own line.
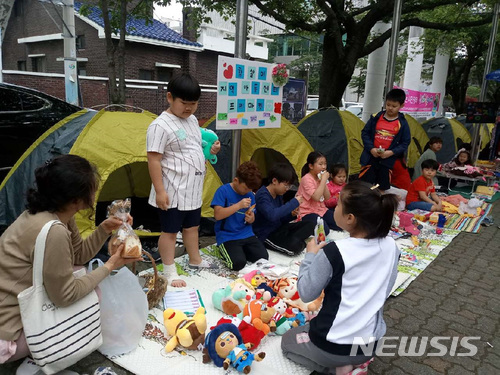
<point>304,170</point>
<point>373,211</point>
<point>388,205</point>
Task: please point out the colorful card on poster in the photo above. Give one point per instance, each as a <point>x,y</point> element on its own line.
<point>246,95</point>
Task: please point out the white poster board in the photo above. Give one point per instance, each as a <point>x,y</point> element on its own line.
<point>246,95</point>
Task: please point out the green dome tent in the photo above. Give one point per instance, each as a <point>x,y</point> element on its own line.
<point>115,142</point>
<point>336,134</point>
<point>453,134</point>
<point>485,130</point>
<point>264,146</point>
<point>419,139</point>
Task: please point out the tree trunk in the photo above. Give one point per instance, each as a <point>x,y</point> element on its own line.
<point>335,76</point>
<point>458,81</point>
<point>110,50</point>
<point>120,99</point>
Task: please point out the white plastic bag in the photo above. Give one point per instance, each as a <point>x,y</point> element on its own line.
<point>124,311</point>
<point>401,194</point>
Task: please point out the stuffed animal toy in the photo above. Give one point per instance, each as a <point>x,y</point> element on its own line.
<point>286,288</point>
<point>256,313</point>
<point>298,320</point>
<point>281,307</point>
<point>208,137</point>
<point>259,282</point>
<point>248,332</point>
<point>472,208</point>
<point>184,331</point>
<point>234,297</point>
<point>224,346</point>
<point>265,292</point>
<point>255,278</point>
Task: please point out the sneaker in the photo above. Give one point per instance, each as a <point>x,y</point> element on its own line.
<point>153,251</point>
<point>29,367</point>
<point>361,369</point>
<point>203,265</point>
<point>487,221</point>
<point>179,239</point>
<point>104,371</point>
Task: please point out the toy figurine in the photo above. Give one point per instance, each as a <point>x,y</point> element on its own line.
<point>232,299</point>
<point>224,346</point>
<point>208,137</point>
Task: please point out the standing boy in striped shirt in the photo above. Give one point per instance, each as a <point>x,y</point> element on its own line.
<point>177,168</point>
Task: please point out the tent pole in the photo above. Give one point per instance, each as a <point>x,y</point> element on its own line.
<point>240,46</point>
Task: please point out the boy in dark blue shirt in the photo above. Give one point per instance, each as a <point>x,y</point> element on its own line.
<point>234,205</point>
<point>272,222</point>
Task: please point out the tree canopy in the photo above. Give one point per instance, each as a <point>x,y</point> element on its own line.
<point>466,47</point>
<point>334,18</point>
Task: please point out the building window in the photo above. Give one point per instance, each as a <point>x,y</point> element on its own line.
<point>38,64</point>
<point>80,42</point>
<point>21,65</point>
<point>146,75</point>
<point>165,74</point>
<point>82,69</point>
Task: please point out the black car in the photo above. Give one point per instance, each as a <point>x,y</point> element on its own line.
<point>25,114</point>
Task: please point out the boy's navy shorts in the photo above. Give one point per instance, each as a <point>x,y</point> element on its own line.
<point>173,220</point>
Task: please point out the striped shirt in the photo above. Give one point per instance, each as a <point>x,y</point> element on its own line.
<point>183,163</point>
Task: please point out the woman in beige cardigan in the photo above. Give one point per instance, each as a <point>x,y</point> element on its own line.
<point>64,186</point>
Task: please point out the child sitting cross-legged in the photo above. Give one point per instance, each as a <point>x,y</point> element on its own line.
<point>273,224</point>
<point>356,275</point>
<point>233,206</point>
<point>422,194</point>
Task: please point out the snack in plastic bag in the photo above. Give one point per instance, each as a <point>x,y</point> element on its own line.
<point>125,234</point>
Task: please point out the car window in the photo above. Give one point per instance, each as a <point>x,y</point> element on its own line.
<point>9,100</point>
<point>312,104</point>
<point>355,110</point>
<point>32,102</point>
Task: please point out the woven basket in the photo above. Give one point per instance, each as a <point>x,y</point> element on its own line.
<point>155,284</point>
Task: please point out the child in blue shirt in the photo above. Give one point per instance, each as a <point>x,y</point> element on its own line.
<point>273,218</point>
<point>233,206</point>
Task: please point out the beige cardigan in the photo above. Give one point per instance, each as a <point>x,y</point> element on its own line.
<point>64,249</point>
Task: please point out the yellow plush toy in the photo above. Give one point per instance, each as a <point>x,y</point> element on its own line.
<point>184,331</point>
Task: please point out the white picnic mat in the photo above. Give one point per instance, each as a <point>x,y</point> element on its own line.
<point>150,358</point>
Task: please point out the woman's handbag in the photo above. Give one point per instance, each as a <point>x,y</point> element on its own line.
<point>57,337</point>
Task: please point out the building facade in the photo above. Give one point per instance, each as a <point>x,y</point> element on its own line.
<point>33,56</point>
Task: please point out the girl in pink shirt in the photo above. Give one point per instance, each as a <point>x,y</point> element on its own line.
<point>338,177</point>
<point>314,192</point>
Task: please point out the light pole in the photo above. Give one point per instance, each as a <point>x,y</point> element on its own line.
<point>307,66</point>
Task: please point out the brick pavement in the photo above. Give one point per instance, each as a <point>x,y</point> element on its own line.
<point>455,296</point>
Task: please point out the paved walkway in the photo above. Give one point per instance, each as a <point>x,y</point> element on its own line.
<point>455,296</point>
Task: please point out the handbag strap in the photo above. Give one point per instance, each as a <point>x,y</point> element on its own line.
<point>40,253</point>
